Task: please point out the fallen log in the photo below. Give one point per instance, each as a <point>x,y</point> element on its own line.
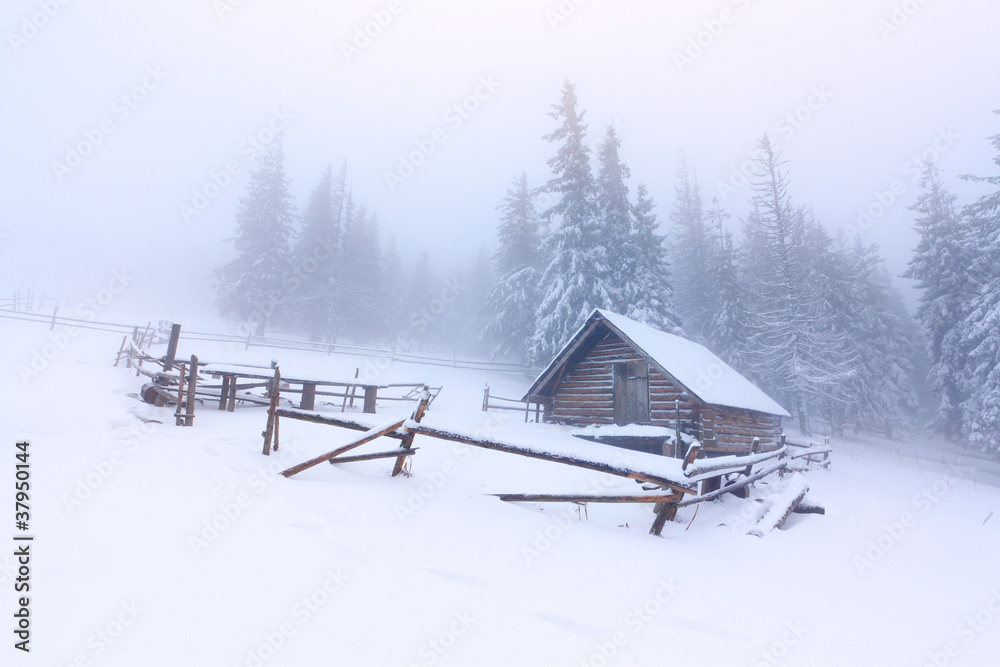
<point>806,507</point>
<point>783,504</point>
<point>598,466</point>
<point>571,498</point>
<point>366,437</point>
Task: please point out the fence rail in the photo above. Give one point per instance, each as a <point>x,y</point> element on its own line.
<point>271,342</point>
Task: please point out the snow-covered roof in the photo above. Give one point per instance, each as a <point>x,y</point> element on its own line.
<point>694,366</point>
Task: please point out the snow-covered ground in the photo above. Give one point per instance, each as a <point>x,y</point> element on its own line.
<point>162,545</point>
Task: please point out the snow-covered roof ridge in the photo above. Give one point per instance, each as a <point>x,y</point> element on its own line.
<point>693,365</point>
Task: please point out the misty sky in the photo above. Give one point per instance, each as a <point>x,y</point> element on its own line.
<point>172,91</point>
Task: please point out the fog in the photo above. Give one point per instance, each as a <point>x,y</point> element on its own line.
<point>199,78</point>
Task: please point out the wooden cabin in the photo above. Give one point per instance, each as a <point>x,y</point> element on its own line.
<point>616,371</point>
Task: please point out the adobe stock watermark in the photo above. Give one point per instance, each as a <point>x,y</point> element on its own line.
<point>102,471</point>
<point>894,532</point>
<point>971,627</point>
<point>436,647</point>
<point>635,621</point>
<point>303,610</point>
<point>901,15</point>
<point>787,126</point>
<point>59,339</point>
<point>562,12</point>
<point>366,34</point>
<point>454,118</point>
<point>419,321</point>
<point>121,108</point>
<point>224,8</point>
<point>231,511</point>
<point>32,24</point>
<point>712,30</point>
<point>102,639</point>
<point>218,181</point>
<point>884,200</point>
<point>777,652</point>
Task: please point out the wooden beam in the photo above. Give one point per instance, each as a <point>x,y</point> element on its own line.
<point>367,436</point>
<point>377,455</point>
<point>418,414</point>
<point>327,420</point>
<point>555,458</point>
<point>577,498</point>
<point>371,396</point>
<point>272,416</point>
<point>308,401</point>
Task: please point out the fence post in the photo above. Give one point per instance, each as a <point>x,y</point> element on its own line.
<point>168,361</point>
<point>486,398</point>
<point>52,325</point>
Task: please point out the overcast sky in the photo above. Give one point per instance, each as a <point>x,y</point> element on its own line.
<point>161,96</point>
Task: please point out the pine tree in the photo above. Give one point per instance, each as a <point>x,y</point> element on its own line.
<point>576,279</point>
<point>422,299</point>
<point>615,220</point>
<point>881,387</point>
<point>254,286</point>
<point>692,242</point>
<point>980,331</point>
<point>359,296</point>
<point>726,330</point>
<point>941,266</point>
<point>514,298</point>
<point>646,291</point>
<point>792,347</point>
<point>316,254</point>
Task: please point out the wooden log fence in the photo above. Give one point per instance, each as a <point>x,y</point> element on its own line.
<point>493,402</point>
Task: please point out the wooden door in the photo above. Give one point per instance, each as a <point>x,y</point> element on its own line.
<point>631,393</point>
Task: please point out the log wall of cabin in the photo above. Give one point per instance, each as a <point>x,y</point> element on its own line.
<point>735,429</point>
<point>585,394</point>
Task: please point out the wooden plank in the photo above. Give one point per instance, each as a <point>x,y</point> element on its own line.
<point>192,389</point>
<point>366,437</point>
<point>377,455</point>
<point>327,420</point>
<point>308,401</point>
<point>175,335</point>
<point>275,394</point>
<point>597,466</point>
<point>667,513</point>
<point>407,442</point>
<point>371,396</point>
<point>577,498</point>
<point>776,516</point>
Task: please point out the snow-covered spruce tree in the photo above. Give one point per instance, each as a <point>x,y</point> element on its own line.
<point>881,391</point>
<point>254,286</point>
<point>646,291</point>
<point>316,254</point>
<point>576,279</point>
<point>615,219</point>
<point>423,292</point>
<point>693,249</point>
<point>980,331</point>
<point>511,304</point>
<point>726,331</point>
<point>941,266</point>
<point>358,295</point>
<point>792,347</point>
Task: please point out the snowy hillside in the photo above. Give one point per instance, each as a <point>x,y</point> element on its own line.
<point>161,545</point>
